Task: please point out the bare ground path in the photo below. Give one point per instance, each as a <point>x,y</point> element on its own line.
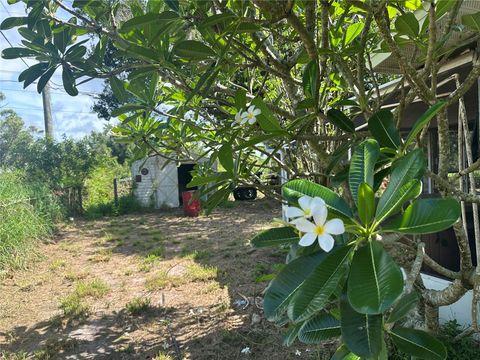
<point>153,286</point>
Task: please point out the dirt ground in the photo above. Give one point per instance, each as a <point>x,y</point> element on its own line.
<point>149,286</point>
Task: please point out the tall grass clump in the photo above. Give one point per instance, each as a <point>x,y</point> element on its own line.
<point>99,199</point>
<point>28,212</point>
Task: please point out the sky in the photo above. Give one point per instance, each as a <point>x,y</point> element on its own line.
<point>72,116</point>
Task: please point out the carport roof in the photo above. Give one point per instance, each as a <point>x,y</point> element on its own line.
<point>383,62</point>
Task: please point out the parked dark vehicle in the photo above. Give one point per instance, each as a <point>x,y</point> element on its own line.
<point>249,192</point>
<point>245,193</point>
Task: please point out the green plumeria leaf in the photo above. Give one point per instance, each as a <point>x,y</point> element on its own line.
<point>275,237</point>
<point>193,50</point>
<point>127,108</point>
<point>118,88</point>
<point>284,286</point>
<point>343,353</point>
<point>423,121</point>
<point>223,19</point>
<point>225,156</point>
<point>203,180</point>
<point>173,4</point>
<point>32,73</point>
<point>361,333</point>
<point>310,78</point>
<point>151,18</point>
<point>291,335</point>
<point>295,189</point>
<point>375,280</point>
<point>383,129</point>
<point>42,82</point>
<point>12,22</point>
<point>352,32</point>
<point>403,306</point>
<point>410,190</point>
<point>240,99</point>
<point>254,141</point>
<point>321,327</point>
<point>406,169</point>
<point>267,120</point>
<point>472,21</point>
<point>69,82</point>
<point>362,166</point>
<point>340,120</point>
<point>418,343</point>
<point>366,203</point>
<point>17,52</point>
<point>423,217</point>
<point>317,288</point>
<point>407,24</point>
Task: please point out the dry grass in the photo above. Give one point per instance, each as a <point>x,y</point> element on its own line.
<point>193,269</point>
<point>57,264</point>
<point>103,255</point>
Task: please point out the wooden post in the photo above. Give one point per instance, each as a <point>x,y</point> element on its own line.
<point>80,200</point>
<point>115,192</point>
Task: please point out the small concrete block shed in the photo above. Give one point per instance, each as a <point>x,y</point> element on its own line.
<point>159,182</point>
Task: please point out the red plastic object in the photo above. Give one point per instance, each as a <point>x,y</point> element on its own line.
<point>191,206</point>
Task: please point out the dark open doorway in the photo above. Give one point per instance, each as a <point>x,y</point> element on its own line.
<point>184,177</point>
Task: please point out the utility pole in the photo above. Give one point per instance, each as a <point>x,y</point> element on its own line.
<point>47,112</point>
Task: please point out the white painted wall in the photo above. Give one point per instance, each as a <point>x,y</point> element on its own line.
<point>461,310</point>
<point>159,188</point>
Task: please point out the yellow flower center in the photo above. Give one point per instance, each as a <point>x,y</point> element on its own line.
<point>307,212</point>
<point>319,230</point>
<point>250,115</point>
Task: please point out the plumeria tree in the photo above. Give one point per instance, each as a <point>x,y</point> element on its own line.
<point>340,279</point>
<point>285,79</point>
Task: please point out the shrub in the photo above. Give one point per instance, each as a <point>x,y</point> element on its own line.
<point>36,207</point>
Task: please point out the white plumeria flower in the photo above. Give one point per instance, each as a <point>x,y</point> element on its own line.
<point>238,117</point>
<point>250,115</point>
<point>298,353</point>
<point>307,207</point>
<point>246,350</point>
<point>320,229</point>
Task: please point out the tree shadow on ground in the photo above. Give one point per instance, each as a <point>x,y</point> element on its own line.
<point>92,337</point>
<point>203,324</point>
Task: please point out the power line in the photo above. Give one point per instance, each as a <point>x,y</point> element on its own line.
<point>9,43</point>
<point>57,111</point>
<point>19,71</point>
<point>53,92</point>
<point>32,91</point>
<point>8,12</point>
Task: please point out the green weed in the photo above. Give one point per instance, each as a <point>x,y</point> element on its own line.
<point>57,264</point>
<point>195,254</point>
<point>138,305</point>
<point>95,288</point>
<point>163,356</point>
<point>197,272</point>
<point>74,307</point>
